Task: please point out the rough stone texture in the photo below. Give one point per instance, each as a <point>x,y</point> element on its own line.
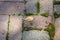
<point>31,8</point>
<point>46,6</point>
<point>15,29</point>
<point>15,8</point>
<point>35,35</point>
<point>11,8</point>
<point>57,27</point>
<point>57,8</point>
<point>3,26</point>
<point>38,21</point>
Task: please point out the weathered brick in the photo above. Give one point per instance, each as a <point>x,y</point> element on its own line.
<point>31,8</point>
<point>3,26</point>
<point>11,8</point>
<point>38,21</point>
<point>15,29</point>
<point>46,6</point>
<point>35,35</point>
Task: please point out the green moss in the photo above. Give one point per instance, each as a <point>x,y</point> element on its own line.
<point>25,1</point>
<point>29,14</point>
<point>36,28</point>
<point>31,28</point>
<point>7,34</point>
<point>22,26</point>
<point>51,30</point>
<point>56,15</point>
<point>7,37</point>
<point>56,2</point>
<point>25,11</point>
<point>45,14</point>
<point>19,14</point>
<point>13,14</point>
<point>38,7</point>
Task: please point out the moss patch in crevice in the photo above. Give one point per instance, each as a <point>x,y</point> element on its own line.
<point>7,34</point>
<point>31,28</point>
<point>25,1</point>
<point>56,2</point>
<point>38,7</point>
<point>7,37</point>
<point>45,14</point>
<point>56,15</point>
<point>29,14</point>
<point>51,30</point>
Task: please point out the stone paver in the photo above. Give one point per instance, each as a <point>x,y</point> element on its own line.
<point>3,26</point>
<point>11,8</point>
<point>38,21</point>
<point>15,29</point>
<point>35,35</point>
<point>31,8</point>
<point>57,28</point>
<point>46,6</point>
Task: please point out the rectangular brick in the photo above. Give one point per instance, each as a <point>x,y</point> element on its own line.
<point>3,26</point>
<point>11,8</point>
<point>38,21</point>
<point>30,5</point>
<point>15,29</point>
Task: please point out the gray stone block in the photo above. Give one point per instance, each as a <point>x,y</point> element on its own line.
<point>31,8</point>
<point>35,35</point>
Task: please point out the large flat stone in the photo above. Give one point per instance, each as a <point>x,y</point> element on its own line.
<point>35,35</point>
<point>38,21</point>
<point>3,26</point>
<point>11,8</point>
<point>15,29</point>
<point>31,8</point>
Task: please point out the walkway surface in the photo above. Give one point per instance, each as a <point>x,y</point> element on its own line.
<point>16,21</point>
